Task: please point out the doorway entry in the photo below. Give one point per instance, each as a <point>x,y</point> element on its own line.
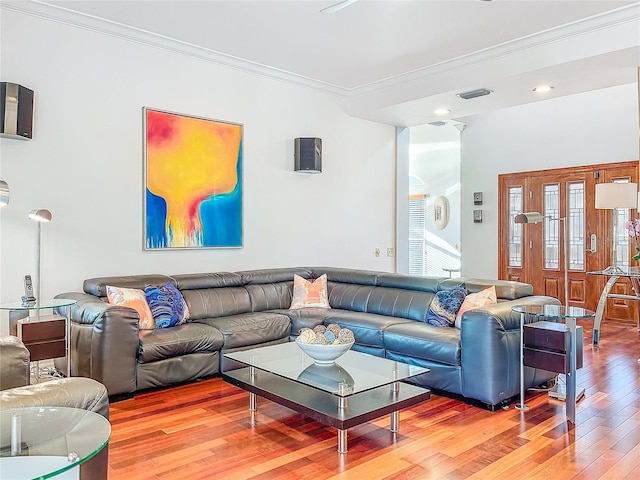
<point>533,253</point>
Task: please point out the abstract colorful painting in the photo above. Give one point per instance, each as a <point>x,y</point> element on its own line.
<point>193,177</point>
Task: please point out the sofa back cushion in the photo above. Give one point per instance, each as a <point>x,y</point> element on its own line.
<point>395,302</point>
<point>269,296</point>
<point>346,275</point>
<point>195,281</point>
<point>409,282</point>
<point>98,286</point>
<point>273,275</point>
<point>505,289</point>
<point>217,302</point>
<point>349,296</point>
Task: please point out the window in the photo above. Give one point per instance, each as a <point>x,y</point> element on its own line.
<point>417,205</point>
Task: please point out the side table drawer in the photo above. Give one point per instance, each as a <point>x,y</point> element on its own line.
<point>43,336</point>
<point>546,346</point>
<point>46,350</point>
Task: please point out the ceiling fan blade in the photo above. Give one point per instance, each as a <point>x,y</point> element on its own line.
<point>338,6</point>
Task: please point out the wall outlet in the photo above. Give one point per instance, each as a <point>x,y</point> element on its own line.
<point>390,252</point>
<point>377,252</point>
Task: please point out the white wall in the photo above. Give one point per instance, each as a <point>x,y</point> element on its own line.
<point>85,162</point>
<point>584,129</point>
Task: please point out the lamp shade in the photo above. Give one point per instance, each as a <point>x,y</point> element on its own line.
<point>528,217</point>
<point>40,215</point>
<point>4,193</point>
<point>616,195</point>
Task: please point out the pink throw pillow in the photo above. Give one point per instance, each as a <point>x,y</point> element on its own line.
<point>309,294</point>
<point>475,300</point>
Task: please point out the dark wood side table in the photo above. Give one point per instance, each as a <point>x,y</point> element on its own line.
<point>568,315</point>
<point>46,336</point>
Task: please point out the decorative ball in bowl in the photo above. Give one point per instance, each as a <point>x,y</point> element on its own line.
<point>325,344</point>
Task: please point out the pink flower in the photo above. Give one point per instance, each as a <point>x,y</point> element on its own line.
<point>633,226</point>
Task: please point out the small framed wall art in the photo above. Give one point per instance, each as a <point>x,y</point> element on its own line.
<point>193,182</point>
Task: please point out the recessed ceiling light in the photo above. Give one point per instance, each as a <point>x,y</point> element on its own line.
<point>441,111</point>
<point>543,89</point>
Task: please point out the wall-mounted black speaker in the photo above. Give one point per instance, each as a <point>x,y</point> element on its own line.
<point>308,155</point>
<point>16,111</point>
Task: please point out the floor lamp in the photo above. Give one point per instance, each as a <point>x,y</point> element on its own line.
<point>612,196</point>
<point>39,216</point>
<point>535,217</point>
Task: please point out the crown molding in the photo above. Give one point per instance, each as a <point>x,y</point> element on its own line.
<point>605,21</point>
<point>46,11</point>
<point>612,19</point>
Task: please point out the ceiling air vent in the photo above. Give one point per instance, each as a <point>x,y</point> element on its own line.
<point>474,93</point>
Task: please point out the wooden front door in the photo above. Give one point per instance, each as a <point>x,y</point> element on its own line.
<point>535,253</point>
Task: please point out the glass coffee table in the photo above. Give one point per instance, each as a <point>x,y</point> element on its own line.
<point>49,442</point>
<point>357,388</point>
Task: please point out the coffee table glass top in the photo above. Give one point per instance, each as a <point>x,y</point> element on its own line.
<point>352,373</point>
<point>68,436</point>
<point>554,311</point>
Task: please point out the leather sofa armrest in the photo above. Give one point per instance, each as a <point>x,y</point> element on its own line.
<point>503,313</point>
<point>74,392</point>
<point>490,349</point>
<point>103,342</point>
<point>14,363</point>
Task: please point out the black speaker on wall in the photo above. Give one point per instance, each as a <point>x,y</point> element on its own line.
<point>308,155</point>
<point>16,111</point>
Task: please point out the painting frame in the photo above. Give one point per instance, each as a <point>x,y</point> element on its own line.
<point>193,182</point>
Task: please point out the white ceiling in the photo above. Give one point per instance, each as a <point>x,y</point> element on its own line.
<point>393,61</point>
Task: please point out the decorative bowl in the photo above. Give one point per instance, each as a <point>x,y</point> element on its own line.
<point>324,354</point>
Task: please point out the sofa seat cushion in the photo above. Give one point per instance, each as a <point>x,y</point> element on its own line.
<point>180,340</point>
<point>366,327</point>
<point>420,340</point>
<point>305,317</point>
<point>250,328</point>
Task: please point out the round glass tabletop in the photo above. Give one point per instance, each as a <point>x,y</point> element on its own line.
<point>44,442</point>
<point>39,305</point>
<point>554,311</point>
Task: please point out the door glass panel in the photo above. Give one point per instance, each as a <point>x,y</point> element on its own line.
<point>551,226</point>
<point>515,229</point>
<point>576,226</point>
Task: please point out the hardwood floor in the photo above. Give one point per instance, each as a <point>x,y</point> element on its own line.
<point>203,431</point>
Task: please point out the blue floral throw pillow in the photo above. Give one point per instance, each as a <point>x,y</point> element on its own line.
<point>445,305</point>
<point>167,305</point>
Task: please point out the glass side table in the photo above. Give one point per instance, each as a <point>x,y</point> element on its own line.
<point>48,442</point>
<point>555,312</point>
<point>633,274</point>
<point>38,318</point>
